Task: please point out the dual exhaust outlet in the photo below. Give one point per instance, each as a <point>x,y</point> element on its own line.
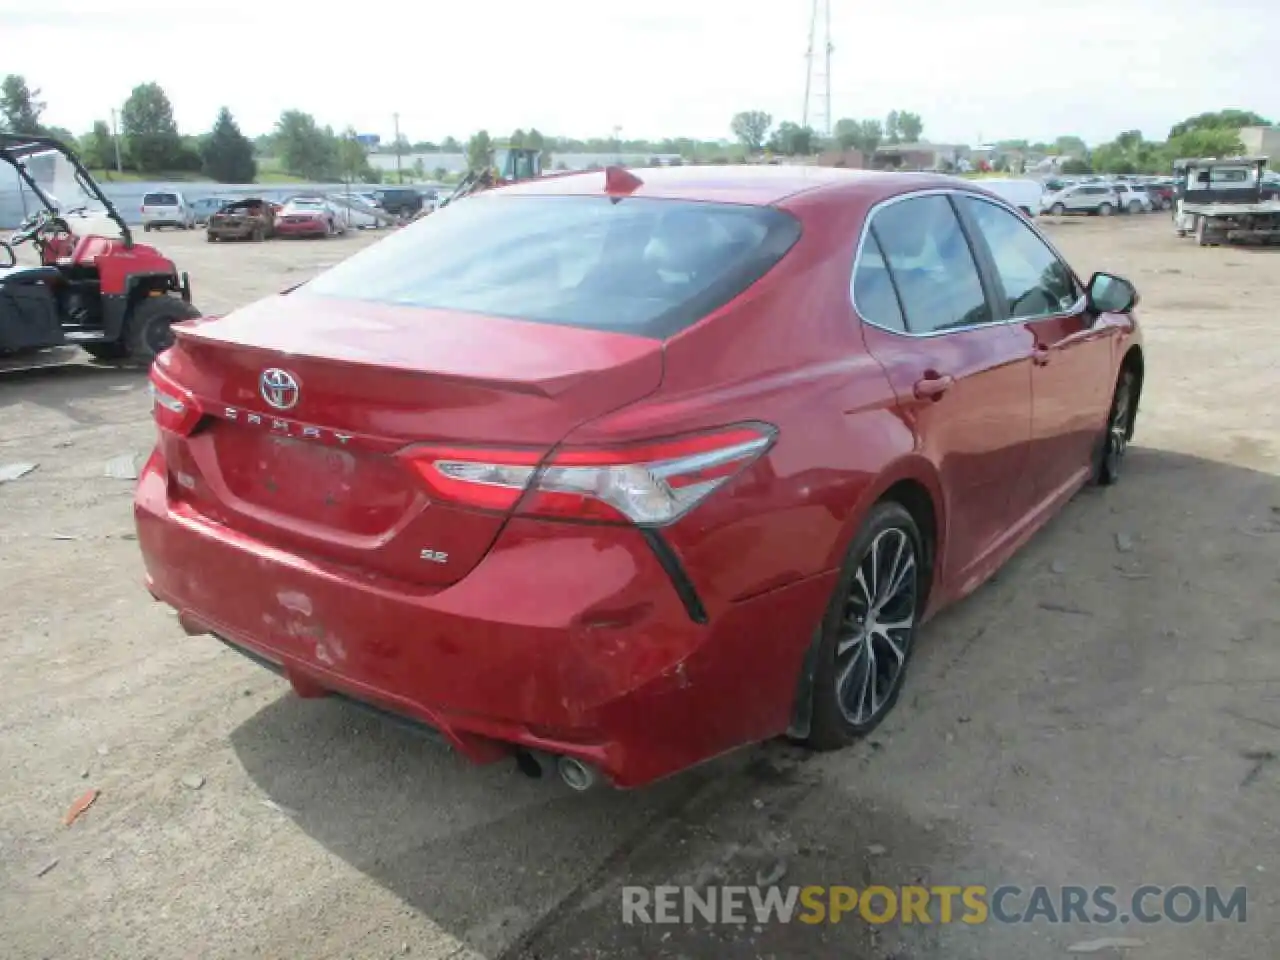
<point>575,774</point>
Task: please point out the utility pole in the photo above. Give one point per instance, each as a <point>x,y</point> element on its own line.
<point>818,73</point>
<point>115,139</point>
<point>395,118</point>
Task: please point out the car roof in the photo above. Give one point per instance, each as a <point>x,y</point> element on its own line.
<point>757,185</point>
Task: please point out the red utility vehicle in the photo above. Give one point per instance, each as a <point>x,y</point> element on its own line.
<point>628,469</point>
<point>93,287</point>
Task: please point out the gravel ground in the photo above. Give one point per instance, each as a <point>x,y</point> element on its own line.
<point>1104,711</point>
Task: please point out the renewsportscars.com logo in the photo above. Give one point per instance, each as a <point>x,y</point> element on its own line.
<point>971,904</point>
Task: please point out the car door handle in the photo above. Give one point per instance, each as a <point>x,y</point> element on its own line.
<point>933,385</point>
<point>1040,354</point>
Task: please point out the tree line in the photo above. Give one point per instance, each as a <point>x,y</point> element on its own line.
<point>1214,134</point>
<point>756,133</point>
<point>1204,135</point>
<point>149,140</point>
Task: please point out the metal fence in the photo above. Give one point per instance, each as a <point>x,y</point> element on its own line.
<point>15,203</point>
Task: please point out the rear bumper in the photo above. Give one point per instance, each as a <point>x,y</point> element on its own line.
<point>310,228</point>
<point>567,639</point>
<point>233,231</point>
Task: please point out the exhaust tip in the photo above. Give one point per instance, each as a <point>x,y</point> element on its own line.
<point>576,774</point>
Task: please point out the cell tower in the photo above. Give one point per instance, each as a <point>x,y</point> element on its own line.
<point>817,79</point>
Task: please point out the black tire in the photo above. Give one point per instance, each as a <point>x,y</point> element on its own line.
<point>1118,429</point>
<point>105,351</point>
<point>1105,209</point>
<point>832,724</point>
<point>209,237</point>
<point>146,329</point>
<point>1135,206</point>
<point>1058,209</point>
<point>1206,237</point>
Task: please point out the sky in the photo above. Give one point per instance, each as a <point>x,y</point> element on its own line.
<point>984,71</point>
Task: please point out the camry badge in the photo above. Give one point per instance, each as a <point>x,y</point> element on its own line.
<point>278,388</point>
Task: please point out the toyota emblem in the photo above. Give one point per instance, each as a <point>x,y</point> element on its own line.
<point>278,388</point>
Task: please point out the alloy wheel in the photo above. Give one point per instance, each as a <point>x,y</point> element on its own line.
<point>877,627</point>
<point>1118,425</point>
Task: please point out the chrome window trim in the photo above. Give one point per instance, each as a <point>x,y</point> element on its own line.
<point>953,191</point>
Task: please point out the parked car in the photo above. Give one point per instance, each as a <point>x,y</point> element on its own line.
<point>519,506</point>
<point>205,207</point>
<point>252,218</point>
<point>358,211</point>
<point>1093,197</point>
<point>1161,194</point>
<point>1023,194</point>
<point>309,217</point>
<point>1132,198</point>
<point>166,208</point>
<point>399,201</point>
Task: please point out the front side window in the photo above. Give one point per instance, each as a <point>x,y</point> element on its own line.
<point>932,266</point>
<point>1036,283</point>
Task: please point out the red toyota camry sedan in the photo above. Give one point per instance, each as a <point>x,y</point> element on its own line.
<point>618,471</point>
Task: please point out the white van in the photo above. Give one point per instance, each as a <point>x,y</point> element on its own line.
<point>1023,194</point>
<point>167,208</point>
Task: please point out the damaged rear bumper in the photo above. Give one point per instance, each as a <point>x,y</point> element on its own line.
<point>565,639</point>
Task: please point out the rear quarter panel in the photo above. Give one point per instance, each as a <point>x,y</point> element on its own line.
<point>788,352</point>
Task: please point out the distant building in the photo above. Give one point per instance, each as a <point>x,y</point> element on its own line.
<point>920,156</point>
<point>1262,142</point>
<point>853,159</point>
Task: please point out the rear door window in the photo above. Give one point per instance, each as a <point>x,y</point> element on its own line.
<point>640,266</point>
<point>932,265</point>
<point>873,294</point>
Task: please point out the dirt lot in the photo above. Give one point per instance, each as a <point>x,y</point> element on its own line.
<point>1105,711</point>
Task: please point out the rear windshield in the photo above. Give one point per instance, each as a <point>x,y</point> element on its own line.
<point>638,266</point>
<point>160,200</point>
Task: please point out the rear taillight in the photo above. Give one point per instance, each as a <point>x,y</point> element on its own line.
<point>651,484</point>
<point>173,408</point>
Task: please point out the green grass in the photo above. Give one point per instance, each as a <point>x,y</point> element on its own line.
<point>278,176</point>
<point>131,176</point>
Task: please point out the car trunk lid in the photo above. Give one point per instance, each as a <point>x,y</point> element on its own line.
<point>357,383</point>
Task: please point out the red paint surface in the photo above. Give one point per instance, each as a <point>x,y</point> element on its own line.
<point>570,637</point>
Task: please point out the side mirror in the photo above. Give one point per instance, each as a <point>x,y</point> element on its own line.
<point>1108,293</point>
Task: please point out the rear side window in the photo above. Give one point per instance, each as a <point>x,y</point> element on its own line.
<point>639,266</point>
<point>873,293</point>
<point>160,200</point>
<point>931,264</point>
